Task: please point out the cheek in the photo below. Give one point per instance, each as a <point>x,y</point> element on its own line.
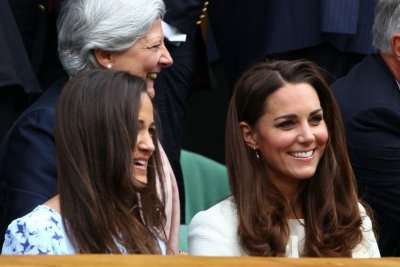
<point>322,136</point>
<point>125,64</point>
<point>151,62</point>
<point>130,62</point>
<point>276,142</point>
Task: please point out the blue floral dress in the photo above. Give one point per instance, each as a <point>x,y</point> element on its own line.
<point>39,232</point>
<point>42,232</point>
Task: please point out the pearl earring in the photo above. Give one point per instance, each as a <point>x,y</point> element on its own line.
<point>257,154</point>
<point>109,66</point>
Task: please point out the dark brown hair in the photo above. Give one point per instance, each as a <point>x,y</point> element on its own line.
<point>95,135</point>
<point>328,200</point>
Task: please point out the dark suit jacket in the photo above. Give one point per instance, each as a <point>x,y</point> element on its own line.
<point>15,67</point>
<point>249,30</point>
<point>36,21</point>
<point>175,84</point>
<point>27,159</point>
<point>369,99</point>
<point>183,14</point>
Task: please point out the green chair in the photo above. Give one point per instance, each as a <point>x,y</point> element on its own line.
<point>206,183</point>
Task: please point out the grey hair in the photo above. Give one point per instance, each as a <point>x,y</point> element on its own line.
<point>108,25</point>
<point>386,24</point>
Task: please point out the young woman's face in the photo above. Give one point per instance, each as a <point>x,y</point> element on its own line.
<point>144,144</point>
<point>146,57</point>
<point>292,135</point>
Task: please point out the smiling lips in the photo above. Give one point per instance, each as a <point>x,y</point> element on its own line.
<point>151,75</point>
<point>141,164</point>
<point>303,154</point>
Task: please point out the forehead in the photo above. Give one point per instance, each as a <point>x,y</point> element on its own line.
<point>155,31</point>
<point>146,107</point>
<point>292,97</point>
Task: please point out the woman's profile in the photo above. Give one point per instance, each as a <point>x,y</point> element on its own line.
<point>107,164</point>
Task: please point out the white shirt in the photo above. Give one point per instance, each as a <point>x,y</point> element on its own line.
<point>214,233</point>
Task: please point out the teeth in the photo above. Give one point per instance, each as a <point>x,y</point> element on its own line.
<point>306,154</point>
<point>152,75</point>
<point>140,162</point>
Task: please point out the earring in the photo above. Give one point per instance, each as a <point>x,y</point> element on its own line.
<point>109,66</point>
<point>257,154</point>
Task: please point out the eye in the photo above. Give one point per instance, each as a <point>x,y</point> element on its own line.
<point>152,131</point>
<point>286,125</point>
<point>316,119</point>
<point>155,46</point>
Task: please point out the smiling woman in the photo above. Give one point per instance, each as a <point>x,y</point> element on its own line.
<point>144,144</point>
<point>291,136</point>
<point>108,164</point>
<point>293,188</point>
<point>121,35</point>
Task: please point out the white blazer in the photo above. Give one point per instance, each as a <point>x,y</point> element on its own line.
<point>214,233</point>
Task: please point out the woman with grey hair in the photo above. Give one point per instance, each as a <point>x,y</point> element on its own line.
<point>121,35</point>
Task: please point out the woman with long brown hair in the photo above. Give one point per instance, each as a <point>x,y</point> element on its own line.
<point>92,34</point>
<point>107,164</point>
<point>294,191</point>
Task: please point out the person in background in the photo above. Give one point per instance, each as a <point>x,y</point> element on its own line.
<point>334,34</point>
<point>92,34</point>
<point>369,101</point>
<point>294,192</point>
<point>189,74</point>
<point>107,161</point>
<point>17,78</point>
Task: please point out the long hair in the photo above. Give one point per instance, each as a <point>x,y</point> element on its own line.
<point>114,26</point>
<point>328,200</point>
<point>95,136</point>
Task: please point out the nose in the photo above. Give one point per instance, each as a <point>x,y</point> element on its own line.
<point>165,59</point>
<point>145,142</point>
<point>306,135</point>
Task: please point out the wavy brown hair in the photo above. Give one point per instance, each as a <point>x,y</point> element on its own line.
<point>96,131</point>
<point>328,200</point>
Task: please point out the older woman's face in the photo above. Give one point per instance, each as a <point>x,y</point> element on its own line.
<point>146,57</point>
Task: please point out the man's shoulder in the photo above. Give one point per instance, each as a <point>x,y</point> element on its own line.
<point>370,71</point>
<point>35,122</point>
<point>49,98</point>
<point>41,112</point>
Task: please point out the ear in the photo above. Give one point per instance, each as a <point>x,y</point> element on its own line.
<point>396,45</point>
<point>249,135</point>
<point>103,57</point>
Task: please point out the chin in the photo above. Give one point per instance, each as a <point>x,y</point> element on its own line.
<point>305,175</point>
<point>140,182</point>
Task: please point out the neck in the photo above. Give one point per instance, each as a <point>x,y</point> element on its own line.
<point>291,194</point>
<point>54,203</point>
<point>295,211</point>
<point>393,63</point>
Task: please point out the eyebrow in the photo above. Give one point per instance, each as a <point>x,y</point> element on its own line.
<point>293,116</point>
<point>141,122</point>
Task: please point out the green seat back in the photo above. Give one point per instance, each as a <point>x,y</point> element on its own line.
<point>206,183</point>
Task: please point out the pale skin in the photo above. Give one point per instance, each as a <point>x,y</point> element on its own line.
<point>143,150</point>
<point>291,137</point>
<point>393,60</point>
<point>144,144</point>
<point>145,58</point>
